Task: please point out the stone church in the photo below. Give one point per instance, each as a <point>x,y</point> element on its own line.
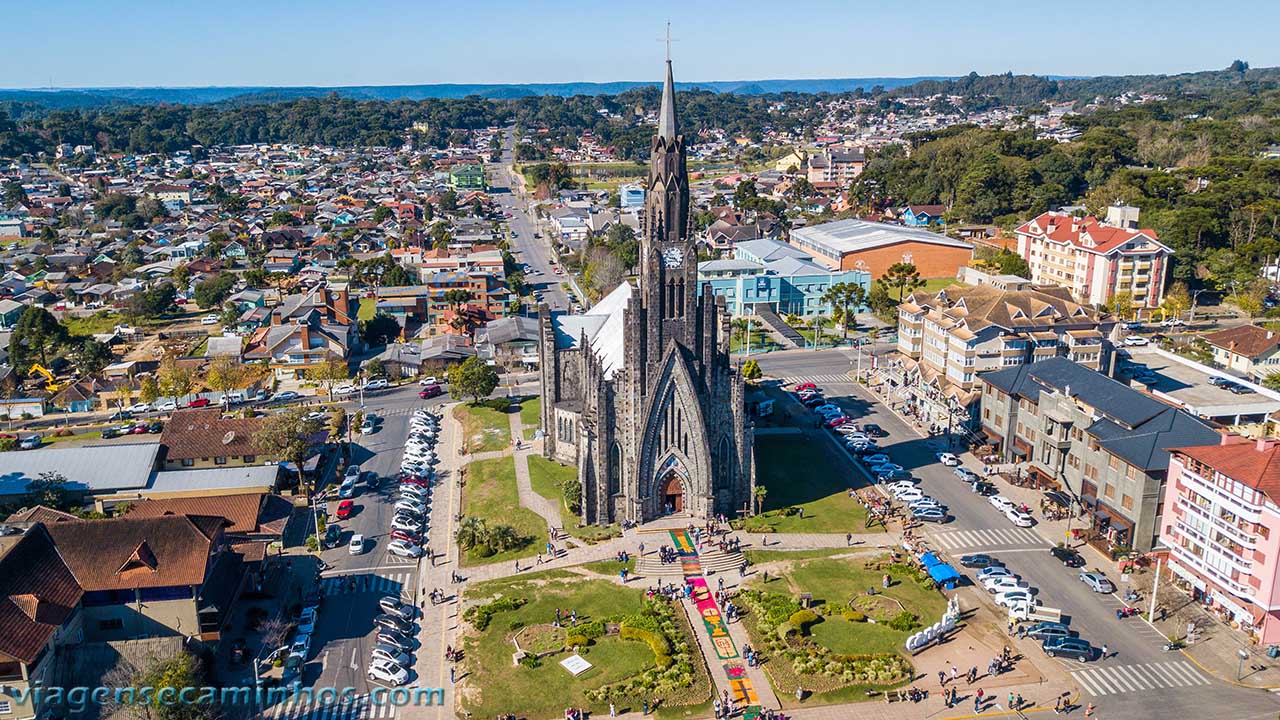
<point>638,391</point>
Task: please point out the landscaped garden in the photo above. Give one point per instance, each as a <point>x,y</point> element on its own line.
<point>559,484</point>
<point>849,641</point>
<point>639,649</point>
<point>494,526</point>
<point>806,490</point>
<point>483,428</point>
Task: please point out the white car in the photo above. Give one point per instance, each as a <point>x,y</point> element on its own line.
<point>1004,583</point>
<point>404,548</point>
<point>1136,340</point>
<point>948,459</point>
<point>139,408</point>
<point>377,384</point>
<point>346,389</point>
<point>167,406</point>
<point>388,673</point>
<point>390,654</point>
<point>412,506</point>
<point>908,495</point>
<point>900,485</point>
<point>924,502</point>
<point>1001,503</point>
<point>429,380</point>
<point>209,320</point>
<point>1008,597</point>
<point>301,645</point>
<point>357,544</point>
<point>307,621</point>
<point>1019,518</point>
<point>994,571</point>
<point>414,491</point>
<point>406,525</point>
<point>347,489</point>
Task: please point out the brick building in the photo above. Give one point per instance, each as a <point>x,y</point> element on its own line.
<point>872,247</point>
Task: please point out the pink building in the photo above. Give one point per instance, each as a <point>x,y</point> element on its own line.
<point>1221,522</point>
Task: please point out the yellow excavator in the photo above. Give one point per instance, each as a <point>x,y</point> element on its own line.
<point>51,383</point>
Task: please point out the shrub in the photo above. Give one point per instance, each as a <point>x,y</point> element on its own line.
<point>802,619</point>
<point>480,615</point>
<point>854,616</point>
<point>500,404</point>
<point>657,642</point>
<point>663,661</point>
<point>590,630</point>
<point>904,622</point>
<point>531,661</point>
<point>576,640</point>
<point>483,551</point>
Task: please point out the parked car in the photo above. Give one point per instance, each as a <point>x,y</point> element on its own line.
<point>306,620</point>
<point>406,524</point>
<point>948,459</point>
<point>992,571</point>
<point>874,430</point>
<point>391,622</point>
<point>430,391</point>
<point>1097,582</point>
<point>30,442</point>
<point>978,560</point>
<point>396,606</point>
<point>1069,558</point>
<point>200,402</point>
<point>138,408</point>
<point>377,384</point>
<point>368,425</point>
<point>412,537</point>
<point>1136,341</point>
<point>966,474</point>
<point>1068,647</point>
<point>284,396</point>
<point>1001,503</point>
<point>1008,597</point>
<point>1048,631</point>
<point>167,406</point>
<point>1019,518</point>
<point>1004,583</point>
<point>885,468</point>
<point>357,545</point>
<point>301,646</point>
<point>345,508</point>
<point>930,515</point>
<point>429,380</point>
<point>404,548</point>
<point>344,389</point>
<point>393,639</point>
<point>347,489</point>
<point>387,672</point>
<point>983,488</point>
<point>390,654</point>
<point>876,459</point>
<point>209,320</point>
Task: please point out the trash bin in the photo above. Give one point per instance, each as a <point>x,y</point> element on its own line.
<point>1273,651</point>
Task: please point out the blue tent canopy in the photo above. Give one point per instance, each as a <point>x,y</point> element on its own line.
<point>944,574</point>
<point>929,560</point>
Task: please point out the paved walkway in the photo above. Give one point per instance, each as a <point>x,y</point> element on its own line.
<point>548,509</point>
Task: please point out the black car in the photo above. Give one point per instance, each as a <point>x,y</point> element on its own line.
<point>874,430</point>
<point>1068,647</point>
<point>1048,631</point>
<point>391,622</point>
<point>1067,556</point>
<point>394,639</point>
<point>979,560</point>
<point>111,432</point>
<point>814,401</point>
<point>985,489</point>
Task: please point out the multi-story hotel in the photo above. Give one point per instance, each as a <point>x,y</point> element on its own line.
<point>1221,524</point>
<point>1097,259</point>
<point>962,330</point>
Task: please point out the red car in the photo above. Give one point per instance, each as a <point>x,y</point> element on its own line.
<point>345,508</point>
<point>199,402</point>
<point>417,480</point>
<point>806,386</point>
<point>404,535</point>
<point>837,421</point>
<point>139,429</point>
<point>430,391</point>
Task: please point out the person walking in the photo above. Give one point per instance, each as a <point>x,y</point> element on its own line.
<point>613,710</point>
<point>977,701</point>
<point>1103,656</point>
<point>954,673</point>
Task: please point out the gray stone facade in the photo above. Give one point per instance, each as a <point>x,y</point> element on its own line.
<point>638,391</point>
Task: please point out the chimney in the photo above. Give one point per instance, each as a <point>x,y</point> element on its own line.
<point>306,335</point>
<point>275,317</point>
<point>342,305</point>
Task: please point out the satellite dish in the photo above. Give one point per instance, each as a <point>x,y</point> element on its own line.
<point>229,437</point>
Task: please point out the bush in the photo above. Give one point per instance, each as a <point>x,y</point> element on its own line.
<point>663,661</point>
<point>480,615</point>
<point>656,641</point>
<point>802,619</point>
<point>577,640</point>
<point>904,622</point>
<point>531,661</point>
<point>483,551</point>
<point>590,630</point>
<point>500,404</point>
<point>854,616</point>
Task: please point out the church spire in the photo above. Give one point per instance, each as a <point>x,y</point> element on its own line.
<point>667,128</point>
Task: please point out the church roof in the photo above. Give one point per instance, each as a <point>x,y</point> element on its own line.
<point>602,326</point>
<point>667,128</point>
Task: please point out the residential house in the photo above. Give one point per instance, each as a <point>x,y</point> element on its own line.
<point>1247,349</point>
<point>1221,523</point>
<point>1097,259</point>
<point>922,215</point>
<point>511,342</point>
<point>1104,443</point>
<point>202,438</point>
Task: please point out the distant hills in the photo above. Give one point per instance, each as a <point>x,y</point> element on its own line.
<point>103,97</point>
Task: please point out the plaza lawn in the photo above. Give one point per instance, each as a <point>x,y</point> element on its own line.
<point>491,685</point>
<point>798,472</point>
<point>547,476</point>
<point>483,428</point>
<point>490,494</point>
<point>368,307</point>
<point>530,416</point>
<point>931,286</point>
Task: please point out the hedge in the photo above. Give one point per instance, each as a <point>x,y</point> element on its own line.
<point>480,615</point>
<point>655,640</point>
<point>802,619</point>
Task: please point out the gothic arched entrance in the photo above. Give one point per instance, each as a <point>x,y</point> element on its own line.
<point>672,492</point>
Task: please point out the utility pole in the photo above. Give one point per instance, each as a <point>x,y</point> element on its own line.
<point>1155,588</point>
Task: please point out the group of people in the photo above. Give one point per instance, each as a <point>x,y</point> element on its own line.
<point>437,596</point>
<point>572,617</point>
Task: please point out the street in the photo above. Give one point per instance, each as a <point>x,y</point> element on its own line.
<point>1139,679</point>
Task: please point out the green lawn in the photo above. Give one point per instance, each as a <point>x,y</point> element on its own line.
<point>531,416</point>
<point>490,494</point>
<point>546,477</point>
<point>932,285</point>
<point>492,685</point>
<point>760,342</point>
<point>758,557</point>
<point>368,307</point>
<point>799,473</point>
<point>611,567</point>
<point>100,322</point>
<point>830,336</point>
<point>483,428</point>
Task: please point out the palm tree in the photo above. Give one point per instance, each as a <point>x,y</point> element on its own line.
<point>471,532</point>
<point>759,493</point>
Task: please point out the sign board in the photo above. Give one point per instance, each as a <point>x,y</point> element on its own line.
<point>762,286</point>
<point>575,664</point>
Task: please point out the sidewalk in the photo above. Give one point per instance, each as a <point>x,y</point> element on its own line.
<point>548,509</point>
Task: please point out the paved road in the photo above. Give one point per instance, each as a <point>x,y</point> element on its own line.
<point>1139,680</point>
<point>533,252</point>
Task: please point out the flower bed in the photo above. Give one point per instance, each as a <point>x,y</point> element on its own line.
<point>678,675</point>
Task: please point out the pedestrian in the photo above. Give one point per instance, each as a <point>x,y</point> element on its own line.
<point>451,675</point>
<point>1103,656</point>
<point>613,710</point>
<point>848,539</point>
<point>517,567</point>
<point>644,708</point>
<point>977,701</point>
<point>942,678</point>
<point>716,706</point>
<point>953,672</point>
<point>642,548</point>
<point>1011,705</point>
<point>973,674</point>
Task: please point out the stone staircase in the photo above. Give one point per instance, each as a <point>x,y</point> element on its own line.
<point>711,559</point>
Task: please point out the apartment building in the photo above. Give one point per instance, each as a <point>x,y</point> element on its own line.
<point>963,330</point>
<point>836,166</point>
<point>1097,259</point>
<point>1221,523</point>
<point>1103,442</point>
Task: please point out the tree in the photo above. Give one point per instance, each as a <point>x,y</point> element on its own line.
<point>1177,300</point>
<point>225,374</point>
<point>255,277</point>
<point>751,370</point>
<point>230,315</point>
<point>283,218</point>
<point>903,276</point>
<point>174,380</point>
<point>1272,381</point>
<point>758,495</point>
<point>847,297</point>
<point>381,214</point>
<point>91,356</point>
<point>1121,305</point>
<point>14,194</point>
<point>148,389</point>
<point>379,329</point>
<point>287,437</point>
<point>396,276</point>
<point>472,378</point>
<point>375,368</point>
<point>36,335</point>
<point>48,489</point>
<point>328,374</point>
<point>153,302</point>
<point>211,292</point>
<point>449,201</point>
<point>457,296</point>
<point>177,673</point>
<point>1011,263</point>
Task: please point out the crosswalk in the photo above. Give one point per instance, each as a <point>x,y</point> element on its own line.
<point>1118,679</point>
<point>392,584</point>
<point>361,707</point>
<point>990,538</point>
<point>819,379</point>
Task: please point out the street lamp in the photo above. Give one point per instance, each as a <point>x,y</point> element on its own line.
<point>1195,295</point>
<point>1243,655</point>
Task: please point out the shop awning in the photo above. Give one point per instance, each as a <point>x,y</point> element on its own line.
<point>1059,498</point>
<point>1019,451</point>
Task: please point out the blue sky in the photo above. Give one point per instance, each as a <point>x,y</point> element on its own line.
<point>90,43</point>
